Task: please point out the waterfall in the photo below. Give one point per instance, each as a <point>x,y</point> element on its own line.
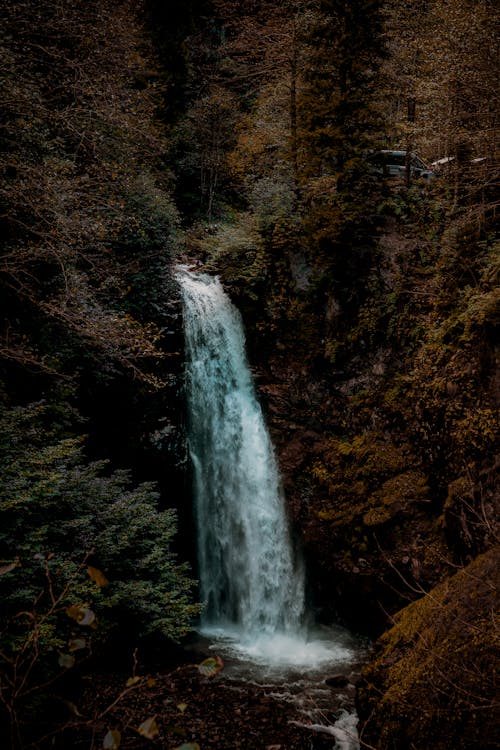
<point>251,583</point>
<point>250,579</point>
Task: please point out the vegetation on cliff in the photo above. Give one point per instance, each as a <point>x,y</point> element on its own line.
<point>236,133</point>
<point>371,305</point>
<point>432,677</point>
<point>88,344</point>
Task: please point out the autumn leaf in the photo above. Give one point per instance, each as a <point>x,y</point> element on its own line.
<point>76,644</point>
<point>112,740</point>
<point>8,567</point>
<point>73,708</point>
<point>97,576</point>
<point>132,681</point>
<point>66,660</point>
<point>149,728</point>
<point>211,666</point>
<point>182,707</point>
<point>82,615</point>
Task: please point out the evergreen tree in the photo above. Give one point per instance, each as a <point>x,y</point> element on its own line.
<point>338,123</point>
<point>337,112</point>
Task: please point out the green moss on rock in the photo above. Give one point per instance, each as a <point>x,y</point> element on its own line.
<point>431,681</point>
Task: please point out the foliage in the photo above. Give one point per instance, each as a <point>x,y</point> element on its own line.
<point>236,251</point>
<point>337,124</point>
<point>454,110</point>
<point>372,309</point>
<point>336,103</point>
<point>56,504</point>
<point>368,478</point>
<point>169,24</point>
<point>86,206</point>
<point>86,557</point>
<point>200,152</point>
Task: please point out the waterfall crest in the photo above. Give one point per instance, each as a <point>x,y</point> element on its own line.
<point>250,579</point>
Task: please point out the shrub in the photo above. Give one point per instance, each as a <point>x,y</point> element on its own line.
<point>83,555</point>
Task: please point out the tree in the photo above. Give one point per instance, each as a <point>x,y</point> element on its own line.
<point>444,56</point>
<point>84,205</point>
<point>204,140</point>
<point>264,47</point>
<point>338,122</point>
<point>87,561</point>
<point>337,111</point>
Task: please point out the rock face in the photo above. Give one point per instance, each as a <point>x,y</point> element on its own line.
<point>361,509</point>
<point>384,430</point>
<point>384,427</point>
<point>384,417</point>
<point>431,681</point>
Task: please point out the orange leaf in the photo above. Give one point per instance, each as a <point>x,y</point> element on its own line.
<point>209,667</point>
<point>132,681</point>
<point>8,567</point>
<point>82,615</point>
<point>97,576</point>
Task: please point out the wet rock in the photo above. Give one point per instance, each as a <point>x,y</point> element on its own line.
<point>217,714</point>
<point>337,681</point>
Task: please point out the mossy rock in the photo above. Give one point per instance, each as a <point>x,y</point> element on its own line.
<point>431,679</point>
<point>404,489</point>
<point>377,516</point>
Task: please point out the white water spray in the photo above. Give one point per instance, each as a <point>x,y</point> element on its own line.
<point>251,582</point>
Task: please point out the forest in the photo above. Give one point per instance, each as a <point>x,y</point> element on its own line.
<point>241,138</point>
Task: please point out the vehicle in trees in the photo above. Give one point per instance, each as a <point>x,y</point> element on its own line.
<point>388,163</point>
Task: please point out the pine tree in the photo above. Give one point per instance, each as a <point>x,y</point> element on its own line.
<point>336,108</point>
<point>338,123</point>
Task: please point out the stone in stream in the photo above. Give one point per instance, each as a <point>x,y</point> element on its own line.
<point>337,681</point>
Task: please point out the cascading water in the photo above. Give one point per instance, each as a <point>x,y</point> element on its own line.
<point>251,582</point>
<point>248,575</point>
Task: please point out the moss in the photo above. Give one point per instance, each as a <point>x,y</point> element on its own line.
<point>366,472</point>
<point>377,516</point>
<point>435,668</point>
<point>403,489</point>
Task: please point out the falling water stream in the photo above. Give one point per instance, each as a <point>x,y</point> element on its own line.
<point>251,576</point>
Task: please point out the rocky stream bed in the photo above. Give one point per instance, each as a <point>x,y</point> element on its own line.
<point>184,707</point>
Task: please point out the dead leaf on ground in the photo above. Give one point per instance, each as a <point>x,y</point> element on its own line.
<point>211,666</point>
<point>112,740</point>
<point>149,728</point>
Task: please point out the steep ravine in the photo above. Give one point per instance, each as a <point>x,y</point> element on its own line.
<point>372,457</point>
